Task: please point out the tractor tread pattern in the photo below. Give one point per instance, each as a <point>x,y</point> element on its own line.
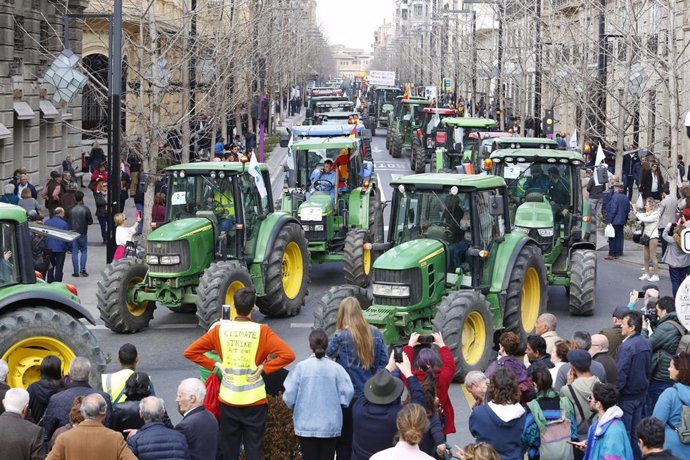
<point>326,309</point>
<point>211,289</point>
<point>396,145</point>
<point>376,216</point>
<point>353,262</point>
<point>583,277</point>
<point>111,297</point>
<point>418,157</point>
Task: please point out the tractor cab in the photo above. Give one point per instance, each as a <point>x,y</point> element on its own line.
<point>322,107</point>
<point>337,118</point>
<point>311,106</point>
<point>458,146</point>
<point>405,119</point>
<point>424,143</point>
<point>381,105</point>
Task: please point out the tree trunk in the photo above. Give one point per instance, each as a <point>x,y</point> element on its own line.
<point>673,101</point>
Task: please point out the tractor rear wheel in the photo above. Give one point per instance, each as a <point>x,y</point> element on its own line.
<point>376,216</point>
<point>358,260</point>
<point>326,309</point>
<point>115,297</point>
<point>27,335</point>
<point>287,275</point>
<point>583,277</point>
<point>418,157</point>
<point>389,132</point>
<point>396,145</point>
<point>217,287</point>
<point>526,294</point>
<point>464,320</point>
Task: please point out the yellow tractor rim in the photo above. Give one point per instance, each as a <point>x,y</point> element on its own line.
<point>293,270</point>
<point>24,359</point>
<point>135,309</point>
<point>530,299</point>
<point>366,254</point>
<point>230,296</point>
<point>473,338</point>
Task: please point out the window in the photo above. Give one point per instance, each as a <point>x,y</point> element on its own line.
<point>403,13</point>
<point>18,33</point>
<point>418,10</point>
<point>491,227</point>
<point>9,273</point>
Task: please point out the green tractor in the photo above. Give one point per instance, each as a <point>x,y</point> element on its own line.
<point>426,140</point>
<point>459,140</point>
<point>451,264</point>
<point>221,234</point>
<point>403,124</point>
<point>38,319</point>
<point>545,198</point>
<point>325,104</point>
<point>381,105</point>
<point>339,218</point>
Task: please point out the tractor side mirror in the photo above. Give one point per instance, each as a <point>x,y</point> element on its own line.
<point>457,147</point>
<point>284,141</point>
<point>496,205</point>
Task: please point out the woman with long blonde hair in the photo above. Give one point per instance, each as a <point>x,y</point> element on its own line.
<point>359,348</point>
<point>650,237</point>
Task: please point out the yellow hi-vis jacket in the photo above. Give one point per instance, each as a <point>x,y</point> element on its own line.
<point>226,201</point>
<point>114,384</point>
<point>239,341</point>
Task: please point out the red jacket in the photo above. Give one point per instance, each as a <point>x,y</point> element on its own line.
<point>444,377</point>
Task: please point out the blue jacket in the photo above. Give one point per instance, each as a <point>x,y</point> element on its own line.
<point>667,409</point>
<point>200,429</point>
<point>154,441</point>
<point>503,431</point>
<point>59,405</point>
<point>54,244</point>
<point>341,348</point>
<point>316,390</point>
<point>634,364</point>
<point>618,209</point>
<point>612,442</point>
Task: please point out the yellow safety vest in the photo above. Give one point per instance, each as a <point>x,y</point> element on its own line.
<point>239,342</point>
<point>114,384</point>
<point>225,201</point>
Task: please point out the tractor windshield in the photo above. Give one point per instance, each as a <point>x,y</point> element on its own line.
<point>193,193</point>
<point>310,161</point>
<point>429,214</point>
<point>534,181</point>
<point>9,272</point>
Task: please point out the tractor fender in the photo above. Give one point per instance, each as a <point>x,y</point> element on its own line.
<point>35,298</point>
<point>581,245</point>
<point>268,232</point>
<point>358,209</point>
<point>505,260</point>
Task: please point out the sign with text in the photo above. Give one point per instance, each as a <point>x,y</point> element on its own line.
<point>381,78</point>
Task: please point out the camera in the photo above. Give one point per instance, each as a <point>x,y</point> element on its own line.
<point>426,339</point>
<point>650,314</point>
<point>398,353</point>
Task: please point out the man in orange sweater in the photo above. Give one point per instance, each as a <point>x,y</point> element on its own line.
<point>244,347</point>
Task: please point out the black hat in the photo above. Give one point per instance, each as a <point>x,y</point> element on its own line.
<point>579,359</point>
<point>383,388</point>
<point>54,174</point>
<point>620,312</point>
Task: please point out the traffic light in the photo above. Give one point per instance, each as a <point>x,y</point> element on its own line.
<point>548,122</point>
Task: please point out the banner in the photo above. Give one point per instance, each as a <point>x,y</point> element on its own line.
<point>381,78</point>
<point>256,174</point>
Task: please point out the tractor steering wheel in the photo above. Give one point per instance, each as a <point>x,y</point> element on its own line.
<point>323,185</point>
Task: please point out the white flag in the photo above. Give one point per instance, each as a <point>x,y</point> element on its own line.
<point>256,174</point>
<point>600,156</point>
<point>573,140</point>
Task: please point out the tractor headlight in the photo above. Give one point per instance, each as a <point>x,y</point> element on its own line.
<point>152,259</point>
<point>391,290</point>
<point>545,232</point>
<point>170,260</point>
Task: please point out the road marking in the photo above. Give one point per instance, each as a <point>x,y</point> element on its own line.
<point>391,166</point>
<point>301,325</point>
<point>102,327</point>
<point>378,181</point>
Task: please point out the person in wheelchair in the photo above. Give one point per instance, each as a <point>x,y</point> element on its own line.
<point>323,179</point>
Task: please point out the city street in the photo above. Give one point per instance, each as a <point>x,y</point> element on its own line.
<point>162,344</point>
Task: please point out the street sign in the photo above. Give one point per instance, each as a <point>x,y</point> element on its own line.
<point>447,84</point>
<point>381,77</point>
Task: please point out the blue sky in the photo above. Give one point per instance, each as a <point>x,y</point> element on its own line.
<point>352,22</point>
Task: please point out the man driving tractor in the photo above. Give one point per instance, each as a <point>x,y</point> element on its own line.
<point>323,179</point>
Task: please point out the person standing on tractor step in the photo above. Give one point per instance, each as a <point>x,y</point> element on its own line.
<point>243,347</point>
<point>79,219</point>
<point>114,384</point>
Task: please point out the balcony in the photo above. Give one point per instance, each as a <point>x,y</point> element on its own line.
<point>567,6</point>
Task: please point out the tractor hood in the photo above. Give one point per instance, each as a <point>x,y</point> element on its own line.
<point>317,206</point>
<point>534,215</point>
<point>181,229</point>
<point>411,254</point>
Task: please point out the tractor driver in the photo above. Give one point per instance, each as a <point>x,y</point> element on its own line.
<point>537,180</point>
<point>558,194</point>
<point>224,205</point>
<point>323,179</point>
<point>6,269</point>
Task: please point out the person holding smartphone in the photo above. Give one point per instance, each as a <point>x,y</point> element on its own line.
<point>123,234</point>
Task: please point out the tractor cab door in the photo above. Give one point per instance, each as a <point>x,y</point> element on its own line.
<point>490,227</point>
<point>254,209</point>
<point>14,251</point>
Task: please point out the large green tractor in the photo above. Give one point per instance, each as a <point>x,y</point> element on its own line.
<point>451,264</point>
<point>38,319</point>
<point>221,234</point>
<point>381,104</point>
<point>459,142</point>
<point>545,198</point>
<point>403,124</point>
<point>339,218</point>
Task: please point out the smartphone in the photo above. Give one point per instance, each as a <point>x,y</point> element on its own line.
<point>398,353</point>
<point>426,339</point>
<point>138,214</point>
<point>225,312</point>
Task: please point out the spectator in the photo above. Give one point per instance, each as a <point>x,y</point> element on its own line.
<point>57,247</point>
<point>134,160</point>
<point>651,181</point>
<point>613,333</point>
<point>25,184</point>
<point>546,408</point>
<point>75,418</point>
<point>559,357</point>
<point>21,439</point>
<point>375,414</point>
<point>67,166</point>
<point>476,383</point>
<point>100,196</point>
<point>500,422</point>
<point>664,342</point>
<point>359,348</point>
<point>125,183</point>
<point>79,219</point>
<point>678,261</point>
<point>617,212</point>
<point>581,341</point>
<point>607,195</point>
<point>634,363</point>
<point>599,350</point>
<point>315,391</point>
<point>154,440</point>
<point>68,179</point>
<point>123,234</point>
<point>412,423</point>
<point>68,199</point>
<point>426,369</point>
<point>41,390</point>
<point>96,157</point>
<point>57,411</point>
<point>651,296</point>
<point>630,162</point>
<point>51,194</point>
<point>9,197</point>
<point>579,389</point>
<point>199,426</point>
<point>536,353</point>
<point>650,229</point>
<point>242,413</point>
<point>138,196</point>
<point>218,148</point>
<point>4,370</point>
<point>478,451</point>
<point>98,175</point>
<point>27,202</point>
<point>650,431</point>
<point>158,210</point>
<point>115,384</point>
<point>667,213</point>
<point>90,440</point>
<point>509,345</point>
<point>546,328</point>
<point>126,414</point>
<point>670,404</point>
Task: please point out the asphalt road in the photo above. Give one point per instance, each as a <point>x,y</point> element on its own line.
<point>162,344</point>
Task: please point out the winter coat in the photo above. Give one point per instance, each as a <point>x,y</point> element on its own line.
<point>663,455</point>
<point>54,244</point>
<point>59,405</point>
<point>551,406</point>
<point>667,210</point>
<point>154,441</point>
<point>514,365</point>
<point>200,428</point>
<point>126,416</point>
<point>80,219</point>
<point>634,363</point>
<point>501,426</point>
<point>444,377</point>
<point>646,182</point>
<point>615,336</point>
<point>101,204</point>
<point>664,343</point>
<point>595,191</point>
<point>604,358</point>
<point>609,441</point>
<point>582,387</point>
<point>29,204</point>
<point>667,409</point>
<point>629,163</point>
<point>674,255</point>
<point>617,209</point>
<point>9,198</point>
<point>39,395</point>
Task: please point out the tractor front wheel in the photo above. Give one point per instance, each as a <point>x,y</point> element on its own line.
<point>287,276</point>
<point>217,287</point>
<point>27,335</point>
<point>583,278</point>
<point>396,145</point>
<point>326,309</point>
<point>115,296</point>
<point>358,260</point>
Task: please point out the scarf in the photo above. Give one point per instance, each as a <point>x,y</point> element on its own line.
<point>538,414</point>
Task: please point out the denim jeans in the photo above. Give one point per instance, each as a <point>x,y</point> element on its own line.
<point>632,414</point>
<point>677,276</point>
<point>79,244</point>
<point>616,243</point>
<point>103,222</point>
<point>656,387</point>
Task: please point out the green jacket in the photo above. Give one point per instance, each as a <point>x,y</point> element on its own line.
<point>664,341</point>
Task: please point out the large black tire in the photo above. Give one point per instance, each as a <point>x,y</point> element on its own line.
<point>326,309</point>
<point>526,293</point>
<point>289,251</point>
<point>583,279</point>
<point>357,265</point>
<point>376,216</point>
<point>396,145</point>
<point>118,314</point>
<point>389,133</point>
<point>41,331</point>
<point>418,157</point>
<point>464,320</point>
<point>216,288</point>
